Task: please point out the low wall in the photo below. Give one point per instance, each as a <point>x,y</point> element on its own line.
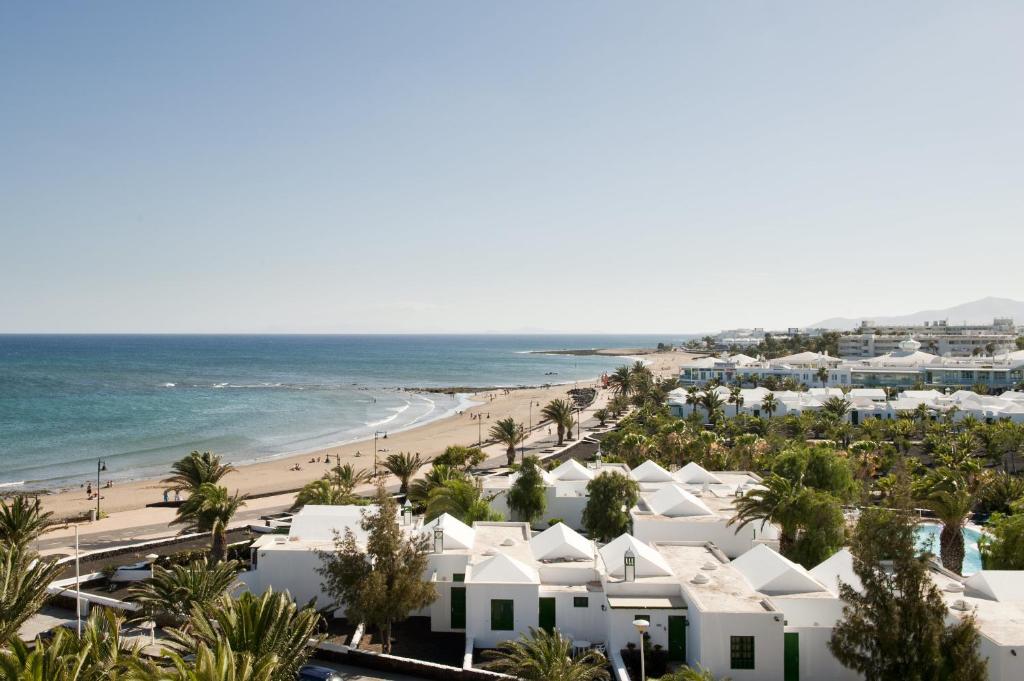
<point>402,665</point>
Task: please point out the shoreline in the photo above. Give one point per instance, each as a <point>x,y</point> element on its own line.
<point>275,475</point>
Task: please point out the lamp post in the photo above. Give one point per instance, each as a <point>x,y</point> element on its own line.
<point>438,539</point>
<point>383,435</point>
<point>479,432</point>
<point>579,417</point>
<point>406,513</point>
<point>641,626</point>
<point>152,558</point>
<point>101,465</point>
<point>78,589</point>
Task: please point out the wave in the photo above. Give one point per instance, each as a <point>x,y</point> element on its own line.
<point>19,483</point>
<point>168,385</point>
<point>389,419</point>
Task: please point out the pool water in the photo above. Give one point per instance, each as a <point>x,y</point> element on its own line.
<point>928,540</point>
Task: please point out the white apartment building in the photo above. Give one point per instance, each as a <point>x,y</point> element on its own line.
<point>940,338</point>
<point>902,368</point>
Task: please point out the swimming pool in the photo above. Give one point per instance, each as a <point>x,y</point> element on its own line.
<point>928,540</point>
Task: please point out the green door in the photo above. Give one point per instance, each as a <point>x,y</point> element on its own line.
<point>791,659</point>
<point>458,607</point>
<point>546,618</point>
<point>677,638</point>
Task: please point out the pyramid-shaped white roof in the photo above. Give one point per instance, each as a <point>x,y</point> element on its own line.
<point>675,502</point>
<point>694,473</point>
<point>649,563</point>
<point>501,569</point>
<point>316,522</point>
<point>457,534</point>
<point>649,471</point>
<point>998,585</point>
<point>572,470</point>
<point>835,570</point>
<point>772,573</point>
<point>561,541</point>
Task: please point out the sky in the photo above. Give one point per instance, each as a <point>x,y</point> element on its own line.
<point>266,167</point>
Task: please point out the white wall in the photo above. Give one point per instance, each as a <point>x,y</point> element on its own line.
<point>478,611</point>
<point>714,630</point>
<point>652,528</point>
<point>292,570</point>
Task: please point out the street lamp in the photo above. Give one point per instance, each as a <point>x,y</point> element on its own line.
<point>152,558</point>
<point>641,626</point>
<point>78,589</point>
<point>384,436</point>
<point>101,466</point>
<point>438,539</point>
<point>406,513</point>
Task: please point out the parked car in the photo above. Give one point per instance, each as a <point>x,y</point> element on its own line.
<point>314,673</point>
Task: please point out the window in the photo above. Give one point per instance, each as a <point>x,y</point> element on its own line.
<point>459,577</point>
<point>580,602</point>
<point>502,615</point>
<point>742,652</point>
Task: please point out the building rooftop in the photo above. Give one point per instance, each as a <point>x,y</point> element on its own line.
<point>708,582</point>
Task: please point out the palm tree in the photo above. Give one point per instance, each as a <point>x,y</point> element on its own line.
<point>560,413</point>
<point>621,381</point>
<point>173,591</point>
<point>822,375</point>
<point>194,470</point>
<point>769,404</point>
<point>712,403</point>
<point>736,397</point>
<point>463,499</point>
<point>547,656</point>
<point>698,673</point>
<point>439,474</point>
<point>322,492</point>
<point>950,494</point>
<point>403,466</point>
<point>836,407</point>
<point>265,625</point>
<point>693,397</point>
<point>346,477</point>
<point>23,581</point>
<point>210,509</point>
<point>22,521</point>
<point>216,663</point>
<point>774,502</point>
<point>509,433</point>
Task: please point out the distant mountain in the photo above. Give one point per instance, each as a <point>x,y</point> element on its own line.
<point>977,312</point>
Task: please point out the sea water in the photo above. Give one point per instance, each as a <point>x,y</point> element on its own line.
<point>140,402</point>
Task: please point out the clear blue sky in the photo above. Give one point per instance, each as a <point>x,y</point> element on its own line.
<point>485,166</point>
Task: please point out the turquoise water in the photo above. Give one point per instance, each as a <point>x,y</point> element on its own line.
<point>143,401</point>
<point>928,540</point>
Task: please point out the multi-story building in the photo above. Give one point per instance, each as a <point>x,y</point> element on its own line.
<point>939,338</point>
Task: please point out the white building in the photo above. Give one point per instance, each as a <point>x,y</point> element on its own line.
<point>903,367</point>
<point>940,337</point>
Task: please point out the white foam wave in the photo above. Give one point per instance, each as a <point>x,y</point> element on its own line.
<point>389,419</point>
<point>168,385</point>
<point>19,483</point>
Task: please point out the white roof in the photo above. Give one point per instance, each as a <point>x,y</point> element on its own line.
<point>869,393</point>
<point>504,570</point>
<point>561,541</point>
<point>457,534</point>
<point>998,585</point>
<point>694,473</point>
<point>649,563</point>
<point>674,501</point>
<point>319,523</point>
<point>649,471</point>
<point>772,573</point>
<point>572,470</point>
<point>836,569</point>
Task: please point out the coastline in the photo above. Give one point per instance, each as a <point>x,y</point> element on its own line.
<point>274,475</point>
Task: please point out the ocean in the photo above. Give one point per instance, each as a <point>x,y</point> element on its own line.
<point>140,402</point>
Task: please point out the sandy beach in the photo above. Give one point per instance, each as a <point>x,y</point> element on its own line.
<point>276,475</point>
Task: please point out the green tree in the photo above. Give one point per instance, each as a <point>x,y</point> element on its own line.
<point>736,398</point>
<point>697,673</point>
<point>560,412</point>
<point>219,663</point>
<point>461,498</point>
<point>895,626</point>
<point>526,497</point>
<point>260,626</point>
<point>24,578</point>
<point>193,471</point>
<point>621,381</point>
<point>769,404</point>
<point>439,474</point>
<point>1002,546</point>
<point>547,656</point>
<point>712,403</point>
<point>463,458</point>
<point>949,492</point>
<point>210,509</point>
<point>22,521</point>
<point>836,408</point>
<point>172,592</point>
<point>403,466</point>
<point>383,584</point>
<point>509,433</point>
<point>607,494</point>
<point>323,492</point>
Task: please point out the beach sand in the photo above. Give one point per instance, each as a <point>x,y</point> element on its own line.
<point>274,476</point>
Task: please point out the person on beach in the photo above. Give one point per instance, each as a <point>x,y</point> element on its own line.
<point>88,489</point>
<point>166,496</point>
<point>177,495</point>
